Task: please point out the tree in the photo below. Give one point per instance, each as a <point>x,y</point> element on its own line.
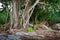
<point>22,10</point>
<point>25,13</point>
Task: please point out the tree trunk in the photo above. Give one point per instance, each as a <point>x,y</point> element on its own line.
<point>18,18</point>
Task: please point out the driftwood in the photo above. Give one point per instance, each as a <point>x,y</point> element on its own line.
<point>45,35</point>
<point>40,35</point>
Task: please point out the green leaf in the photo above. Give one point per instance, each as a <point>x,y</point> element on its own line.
<point>35,27</point>
<point>29,29</point>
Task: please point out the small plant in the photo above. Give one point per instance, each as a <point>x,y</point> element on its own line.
<point>36,20</point>
<point>35,27</point>
<point>30,29</point>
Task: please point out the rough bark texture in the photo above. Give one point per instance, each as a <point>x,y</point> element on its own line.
<point>20,18</point>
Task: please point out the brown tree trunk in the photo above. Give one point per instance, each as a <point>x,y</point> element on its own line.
<point>18,18</point>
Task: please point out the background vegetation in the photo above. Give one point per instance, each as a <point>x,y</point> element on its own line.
<point>48,11</point>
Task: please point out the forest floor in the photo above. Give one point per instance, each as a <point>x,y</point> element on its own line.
<point>23,34</point>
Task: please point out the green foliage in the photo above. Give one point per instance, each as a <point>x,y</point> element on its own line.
<point>30,29</point>
<point>35,27</point>
<point>4,13</point>
<point>4,16</point>
<point>50,13</point>
<point>40,14</point>
<point>54,15</point>
<point>36,20</point>
<point>51,1</point>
